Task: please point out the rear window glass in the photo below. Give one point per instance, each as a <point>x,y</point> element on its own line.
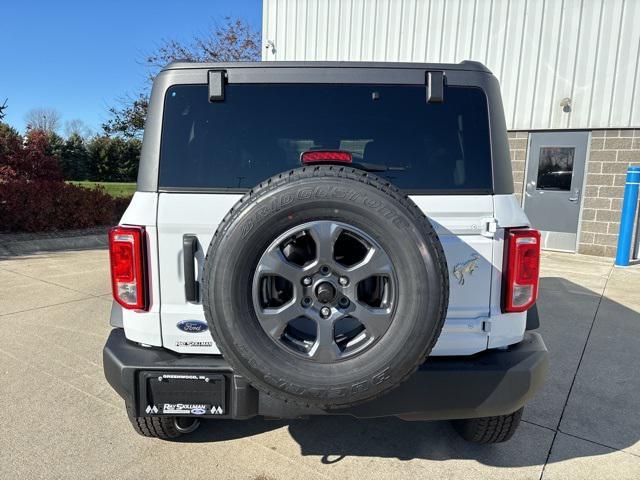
<point>260,130</point>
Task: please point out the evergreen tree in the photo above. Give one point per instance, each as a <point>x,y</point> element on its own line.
<point>74,158</point>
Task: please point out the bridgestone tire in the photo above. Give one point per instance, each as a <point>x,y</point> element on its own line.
<point>489,429</point>
<point>352,197</point>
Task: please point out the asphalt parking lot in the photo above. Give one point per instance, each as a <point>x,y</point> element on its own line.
<point>60,419</point>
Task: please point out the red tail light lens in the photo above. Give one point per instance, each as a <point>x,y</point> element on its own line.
<point>126,252</point>
<point>523,269</point>
<point>329,156</point>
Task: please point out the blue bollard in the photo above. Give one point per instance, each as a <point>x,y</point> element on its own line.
<point>629,205</point>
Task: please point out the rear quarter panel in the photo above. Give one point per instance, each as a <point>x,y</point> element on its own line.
<point>139,326</point>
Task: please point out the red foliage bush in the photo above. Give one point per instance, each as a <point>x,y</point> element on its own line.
<point>37,163</point>
<point>43,205</point>
<point>7,174</point>
<point>33,161</point>
<point>33,196</point>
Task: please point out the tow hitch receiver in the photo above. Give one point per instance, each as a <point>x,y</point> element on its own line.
<point>176,393</point>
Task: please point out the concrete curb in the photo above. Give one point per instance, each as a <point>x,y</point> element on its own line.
<point>38,243</point>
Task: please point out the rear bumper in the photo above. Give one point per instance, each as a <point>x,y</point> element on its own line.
<point>495,382</point>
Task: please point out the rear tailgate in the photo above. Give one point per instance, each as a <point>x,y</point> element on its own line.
<point>179,215</point>
<point>459,221</point>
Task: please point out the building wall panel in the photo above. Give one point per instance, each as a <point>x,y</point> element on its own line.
<point>542,51</point>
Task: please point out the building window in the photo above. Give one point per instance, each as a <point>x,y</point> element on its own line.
<point>555,168</point>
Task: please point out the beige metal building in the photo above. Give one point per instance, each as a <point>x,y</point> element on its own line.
<point>570,78</point>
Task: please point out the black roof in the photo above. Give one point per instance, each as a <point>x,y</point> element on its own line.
<point>466,65</point>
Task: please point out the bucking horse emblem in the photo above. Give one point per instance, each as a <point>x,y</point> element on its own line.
<point>466,268</point>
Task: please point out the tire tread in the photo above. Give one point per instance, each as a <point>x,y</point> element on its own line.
<point>154,427</point>
<point>485,430</point>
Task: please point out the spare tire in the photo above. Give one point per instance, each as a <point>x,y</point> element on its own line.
<point>325,286</point>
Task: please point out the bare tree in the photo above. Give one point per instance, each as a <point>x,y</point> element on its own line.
<point>77,127</point>
<point>3,107</point>
<point>232,40</point>
<point>46,119</point>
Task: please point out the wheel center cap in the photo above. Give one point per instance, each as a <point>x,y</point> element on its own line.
<point>325,292</point>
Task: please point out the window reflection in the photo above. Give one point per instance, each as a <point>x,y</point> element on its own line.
<point>555,168</point>
<point>261,130</point>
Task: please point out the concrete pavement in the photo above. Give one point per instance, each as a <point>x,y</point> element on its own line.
<point>61,418</point>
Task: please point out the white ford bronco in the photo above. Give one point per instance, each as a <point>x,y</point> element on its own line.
<point>325,239</point>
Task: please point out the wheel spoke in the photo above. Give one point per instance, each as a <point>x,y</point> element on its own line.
<point>324,235</point>
<point>375,320</point>
<point>325,349</point>
<point>275,320</point>
<point>274,262</point>
<point>375,263</point>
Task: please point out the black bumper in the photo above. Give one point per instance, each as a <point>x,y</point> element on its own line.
<point>495,382</point>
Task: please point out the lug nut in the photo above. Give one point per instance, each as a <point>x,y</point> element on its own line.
<point>324,270</point>
<point>344,302</point>
<point>306,301</point>
<point>344,281</point>
<point>325,312</point>
<point>306,281</point>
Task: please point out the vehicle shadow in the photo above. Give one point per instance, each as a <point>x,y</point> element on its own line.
<point>335,438</point>
<point>567,323</point>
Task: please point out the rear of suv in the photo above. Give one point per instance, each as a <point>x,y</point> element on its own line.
<point>325,239</point>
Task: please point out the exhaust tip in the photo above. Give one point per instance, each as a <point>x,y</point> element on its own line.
<point>186,425</point>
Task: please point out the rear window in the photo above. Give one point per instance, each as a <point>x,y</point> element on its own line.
<point>260,130</point>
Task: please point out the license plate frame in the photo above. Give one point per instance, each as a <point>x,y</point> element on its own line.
<point>186,394</point>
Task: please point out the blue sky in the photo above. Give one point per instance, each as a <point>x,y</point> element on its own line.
<point>79,57</point>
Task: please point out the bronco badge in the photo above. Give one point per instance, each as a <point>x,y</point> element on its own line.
<point>463,268</point>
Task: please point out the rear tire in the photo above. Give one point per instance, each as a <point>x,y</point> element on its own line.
<point>165,428</point>
<point>489,429</point>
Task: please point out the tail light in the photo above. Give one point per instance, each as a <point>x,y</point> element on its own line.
<point>325,156</point>
<point>523,269</point>
<point>126,252</point>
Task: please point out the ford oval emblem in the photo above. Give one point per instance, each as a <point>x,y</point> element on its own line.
<point>198,411</point>
<point>192,326</point>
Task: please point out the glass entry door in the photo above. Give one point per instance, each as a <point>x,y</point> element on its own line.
<point>553,188</point>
